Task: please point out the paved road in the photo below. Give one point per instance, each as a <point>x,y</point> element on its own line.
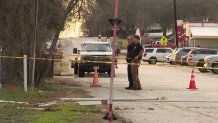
<point>199,106</point>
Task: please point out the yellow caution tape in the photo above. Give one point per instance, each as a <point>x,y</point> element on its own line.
<point>108,62</point>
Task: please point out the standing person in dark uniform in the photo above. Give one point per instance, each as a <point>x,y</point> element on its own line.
<point>136,56</point>
<point>128,60</point>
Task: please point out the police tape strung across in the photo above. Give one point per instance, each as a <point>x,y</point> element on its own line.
<point>109,62</point>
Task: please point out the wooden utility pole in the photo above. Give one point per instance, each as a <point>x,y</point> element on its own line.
<point>175,20</point>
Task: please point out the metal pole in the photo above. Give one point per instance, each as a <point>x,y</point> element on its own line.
<point>25,72</point>
<point>113,62</point>
<point>175,19</point>
<point>35,38</point>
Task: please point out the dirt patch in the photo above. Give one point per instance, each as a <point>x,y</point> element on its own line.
<point>60,88</point>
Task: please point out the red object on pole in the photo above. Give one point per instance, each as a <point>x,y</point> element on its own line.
<point>110,115</point>
<point>11,88</point>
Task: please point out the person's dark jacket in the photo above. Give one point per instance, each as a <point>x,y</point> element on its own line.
<point>137,48</point>
<point>129,52</point>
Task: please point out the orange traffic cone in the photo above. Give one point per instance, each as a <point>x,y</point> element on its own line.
<point>192,81</point>
<point>95,79</point>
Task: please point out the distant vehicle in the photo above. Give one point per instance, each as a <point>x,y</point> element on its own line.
<point>183,60</point>
<point>154,55</point>
<point>212,63</point>
<point>158,44</point>
<point>196,57</point>
<point>118,48</point>
<point>148,46</point>
<point>169,58</point>
<point>181,52</point>
<point>48,45</point>
<point>94,54</point>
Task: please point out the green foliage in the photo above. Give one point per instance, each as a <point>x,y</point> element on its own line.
<point>13,113</point>
<point>69,113</point>
<point>123,43</point>
<point>66,114</point>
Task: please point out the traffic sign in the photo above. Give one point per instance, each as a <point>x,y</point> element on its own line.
<point>164,41</point>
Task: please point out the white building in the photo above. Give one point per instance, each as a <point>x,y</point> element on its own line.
<point>203,34</point>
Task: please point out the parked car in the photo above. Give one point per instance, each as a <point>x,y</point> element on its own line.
<point>168,58</point>
<point>158,44</point>
<point>118,48</point>
<point>196,57</point>
<point>211,63</point>
<point>183,60</point>
<point>181,52</point>
<point>154,55</point>
<point>94,54</point>
<point>147,46</point>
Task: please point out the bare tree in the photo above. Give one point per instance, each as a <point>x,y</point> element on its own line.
<point>17,32</point>
<point>142,13</point>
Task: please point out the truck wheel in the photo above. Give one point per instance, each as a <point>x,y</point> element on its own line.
<point>81,73</point>
<point>152,60</point>
<point>215,71</point>
<point>202,70</point>
<point>109,73</point>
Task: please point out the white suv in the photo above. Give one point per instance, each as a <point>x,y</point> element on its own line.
<point>154,55</point>
<point>211,62</point>
<point>196,57</point>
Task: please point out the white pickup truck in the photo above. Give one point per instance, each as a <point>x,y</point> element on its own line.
<point>93,54</point>
<point>211,63</point>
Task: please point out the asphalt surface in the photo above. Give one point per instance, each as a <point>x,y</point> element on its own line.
<point>168,83</point>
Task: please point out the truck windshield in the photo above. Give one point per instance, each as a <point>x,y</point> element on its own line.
<point>96,47</point>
